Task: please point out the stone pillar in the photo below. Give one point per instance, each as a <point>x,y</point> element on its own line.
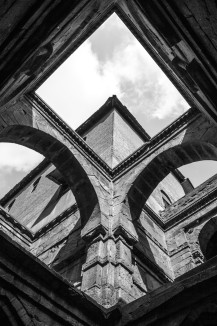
<point>181,256</point>
<point>108,273</point>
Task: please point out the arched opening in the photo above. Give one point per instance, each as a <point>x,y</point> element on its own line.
<point>62,158</point>
<point>211,250</point>
<point>16,162</point>
<point>161,166</point>
<point>208,239</point>
<point>31,190</point>
<point>50,137</point>
<point>180,184</point>
<point>199,172</point>
<point>45,199</point>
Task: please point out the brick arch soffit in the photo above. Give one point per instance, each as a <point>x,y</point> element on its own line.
<point>14,310</point>
<point>63,159</point>
<point>160,166</point>
<point>194,315</point>
<point>206,234</point>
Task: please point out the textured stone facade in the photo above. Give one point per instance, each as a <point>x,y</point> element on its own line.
<point>86,237</point>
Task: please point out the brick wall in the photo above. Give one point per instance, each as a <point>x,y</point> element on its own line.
<point>171,186</point>
<point>113,139</point>
<point>183,236</point>
<point>34,207</point>
<point>100,138</point>
<point>125,141</point>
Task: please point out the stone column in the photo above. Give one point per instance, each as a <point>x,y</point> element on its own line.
<point>108,273</point>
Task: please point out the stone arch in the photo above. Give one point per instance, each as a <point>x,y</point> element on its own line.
<point>208,238</point>
<point>64,157</point>
<point>12,310</point>
<point>160,166</point>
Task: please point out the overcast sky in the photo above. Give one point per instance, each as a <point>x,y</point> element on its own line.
<point>110,62</point>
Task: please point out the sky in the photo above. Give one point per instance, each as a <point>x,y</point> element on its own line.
<point>111,61</point>
<point>15,163</point>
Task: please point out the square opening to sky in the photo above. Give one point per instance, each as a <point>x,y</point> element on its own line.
<point>112,61</point>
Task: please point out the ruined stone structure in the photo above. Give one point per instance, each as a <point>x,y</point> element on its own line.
<point>106,230</point>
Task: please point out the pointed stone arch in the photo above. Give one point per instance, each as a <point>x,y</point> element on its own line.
<point>22,124</point>
<point>160,166</point>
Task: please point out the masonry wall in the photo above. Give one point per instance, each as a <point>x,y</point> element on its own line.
<point>36,206</point>
<point>60,245</point>
<point>145,277</point>
<point>172,187</point>
<point>176,248</point>
<point>100,137</point>
<point>187,219</point>
<point>62,249</point>
<point>152,243</point>
<point>113,139</point>
<point>125,139</point>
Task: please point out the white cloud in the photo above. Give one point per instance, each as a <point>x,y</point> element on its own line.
<point>83,83</point>
<point>148,89</point>
<point>170,102</point>
<point>80,87</point>
<point>17,157</point>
